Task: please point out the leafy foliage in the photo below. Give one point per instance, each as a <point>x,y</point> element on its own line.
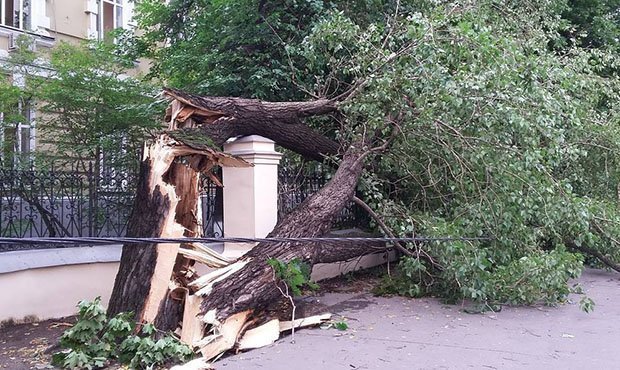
<point>249,49</point>
<point>217,48</point>
<point>295,274</point>
<point>496,136</point>
<point>341,325</point>
<point>498,118</point>
<point>587,304</point>
<point>94,341</point>
<point>92,100</point>
<point>593,23</point>
<point>338,325</point>
<point>87,106</point>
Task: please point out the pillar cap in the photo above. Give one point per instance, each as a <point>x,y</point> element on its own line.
<point>254,148</point>
<point>248,139</point>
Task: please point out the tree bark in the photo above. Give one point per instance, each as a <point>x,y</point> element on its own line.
<point>167,198</point>
<point>219,119</point>
<point>253,286</point>
<point>152,216</point>
<point>165,206</point>
<point>152,208</point>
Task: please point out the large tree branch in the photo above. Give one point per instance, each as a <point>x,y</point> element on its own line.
<point>220,119</point>
<point>296,137</point>
<point>312,218</point>
<point>388,232</point>
<point>241,108</point>
<point>594,253</point>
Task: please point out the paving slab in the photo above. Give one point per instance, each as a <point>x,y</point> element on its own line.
<point>400,333</point>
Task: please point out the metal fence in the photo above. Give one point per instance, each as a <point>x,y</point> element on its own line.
<point>295,185</point>
<point>79,203</point>
<point>90,203</point>
<point>37,203</point>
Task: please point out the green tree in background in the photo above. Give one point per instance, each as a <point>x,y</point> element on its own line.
<point>241,49</point>
<point>87,106</point>
<point>594,23</point>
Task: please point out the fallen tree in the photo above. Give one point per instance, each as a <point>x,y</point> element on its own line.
<point>154,281</point>
<point>449,124</point>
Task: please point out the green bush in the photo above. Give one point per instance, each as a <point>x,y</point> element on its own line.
<point>94,341</point>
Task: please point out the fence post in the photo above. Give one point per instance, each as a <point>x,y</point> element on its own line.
<point>250,194</point>
<point>91,199</point>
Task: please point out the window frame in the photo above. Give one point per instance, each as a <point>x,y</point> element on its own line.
<point>20,153</point>
<point>24,9</point>
<point>117,5</point>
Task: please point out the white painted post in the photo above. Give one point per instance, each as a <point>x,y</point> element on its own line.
<point>250,194</point>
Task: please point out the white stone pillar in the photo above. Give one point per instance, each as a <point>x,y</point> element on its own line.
<point>251,193</point>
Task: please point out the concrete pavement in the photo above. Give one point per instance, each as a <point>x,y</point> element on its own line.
<point>399,333</point>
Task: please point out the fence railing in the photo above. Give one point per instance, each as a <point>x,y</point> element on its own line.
<point>295,186</point>
<point>90,203</point>
<point>74,203</point>
<point>64,202</point>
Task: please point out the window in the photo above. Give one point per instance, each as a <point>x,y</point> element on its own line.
<point>110,16</point>
<point>17,134</point>
<point>15,13</point>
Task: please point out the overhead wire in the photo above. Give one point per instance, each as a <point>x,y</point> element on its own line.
<point>135,241</point>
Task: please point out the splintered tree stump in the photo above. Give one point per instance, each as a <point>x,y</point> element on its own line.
<point>165,206</point>
<point>146,268</point>
<point>249,285</point>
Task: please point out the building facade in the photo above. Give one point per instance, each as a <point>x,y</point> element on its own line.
<point>69,20</point>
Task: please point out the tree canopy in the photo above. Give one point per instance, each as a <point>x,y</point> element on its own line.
<point>498,120</point>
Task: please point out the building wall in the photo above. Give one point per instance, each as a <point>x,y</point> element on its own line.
<point>65,20</point>
<point>4,42</point>
<point>68,19</point>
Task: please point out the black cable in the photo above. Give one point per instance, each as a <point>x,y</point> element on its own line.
<point>130,240</point>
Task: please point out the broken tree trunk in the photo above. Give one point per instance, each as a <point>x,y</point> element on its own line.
<point>165,206</point>
<point>153,280</point>
<point>249,284</point>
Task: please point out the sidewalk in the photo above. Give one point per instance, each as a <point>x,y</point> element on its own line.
<point>397,333</point>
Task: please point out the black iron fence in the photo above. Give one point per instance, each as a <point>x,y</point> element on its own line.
<point>295,185</point>
<point>211,208</point>
<point>92,203</point>
<point>68,202</point>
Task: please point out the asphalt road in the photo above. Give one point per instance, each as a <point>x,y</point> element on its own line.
<point>398,333</point>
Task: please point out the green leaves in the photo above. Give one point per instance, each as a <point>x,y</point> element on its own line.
<point>295,274</point>
<point>587,304</point>
<point>499,136</point>
<point>86,103</point>
<point>94,341</point>
<point>338,325</point>
<point>503,126</point>
<point>215,48</point>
